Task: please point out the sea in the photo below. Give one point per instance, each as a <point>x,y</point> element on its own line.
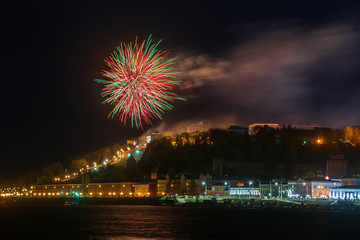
<point>173,222</point>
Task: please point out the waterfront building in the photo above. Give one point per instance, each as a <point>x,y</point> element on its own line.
<point>183,186</point>
<point>142,190</point>
<point>125,189</point>
<point>273,189</point>
<point>56,190</point>
<point>218,190</point>
<point>225,181</point>
<point>115,189</point>
<point>299,189</point>
<point>244,192</point>
<point>348,192</point>
<point>161,187</point>
<point>350,181</point>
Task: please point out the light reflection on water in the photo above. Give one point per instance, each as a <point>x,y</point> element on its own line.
<point>160,222</point>
<point>137,222</point>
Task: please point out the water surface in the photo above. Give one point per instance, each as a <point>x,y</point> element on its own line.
<point>169,222</point>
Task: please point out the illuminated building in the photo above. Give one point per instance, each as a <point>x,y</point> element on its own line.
<point>349,192</point>
<point>121,189</point>
<point>162,187</point>
<point>56,190</point>
<point>273,189</point>
<point>184,186</point>
<point>219,190</point>
<point>142,190</point>
<point>132,141</point>
<point>116,189</point>
<point>321,189</point>
<point>245,192</point>
<point>311,189</point>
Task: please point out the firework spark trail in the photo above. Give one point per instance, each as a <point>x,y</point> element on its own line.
<point>140,80</point>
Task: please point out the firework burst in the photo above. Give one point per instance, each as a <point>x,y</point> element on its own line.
<point>140,80</point>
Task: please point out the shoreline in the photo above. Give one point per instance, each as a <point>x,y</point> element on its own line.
<point>156,201</point>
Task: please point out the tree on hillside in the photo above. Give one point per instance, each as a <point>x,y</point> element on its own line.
<point>351,134</point>
<point>77,164</point>
<point>348,133</point>
<point>114,149</point>
<point>158,153</point>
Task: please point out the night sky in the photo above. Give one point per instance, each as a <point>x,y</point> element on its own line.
<point>240,61</point>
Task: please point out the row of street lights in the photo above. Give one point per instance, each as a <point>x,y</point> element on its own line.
<point>95,167</point>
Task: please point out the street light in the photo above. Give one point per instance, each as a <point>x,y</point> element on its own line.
<point>203,183</point>
<point>250,188</point>
<point>259,190</point>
